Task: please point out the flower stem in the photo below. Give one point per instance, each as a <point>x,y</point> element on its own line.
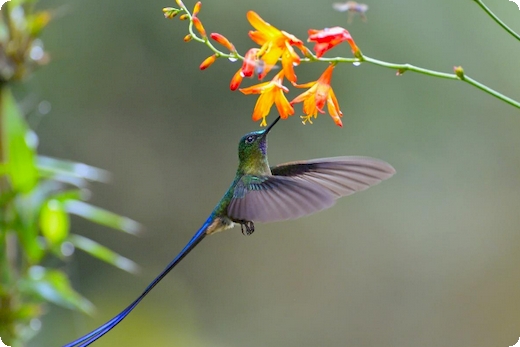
<point>496,19</point>
<point>402,68</point>
<point>407,67</point>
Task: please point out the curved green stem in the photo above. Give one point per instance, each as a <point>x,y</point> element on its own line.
<point>496,19</point>
<point>401,68</point>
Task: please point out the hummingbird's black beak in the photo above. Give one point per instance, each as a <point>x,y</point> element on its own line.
<point>268,129</point>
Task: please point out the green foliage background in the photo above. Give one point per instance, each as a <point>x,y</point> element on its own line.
<point>427,258</point>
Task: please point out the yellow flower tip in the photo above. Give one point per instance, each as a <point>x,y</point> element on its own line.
<point>170,12</point>
<point>184,17</point>
<point>263,123</point>
<point>180,3</point>
<point>198,25</point>
<point>223,41</point>
<point>208,62</point>
<point>197,7</point>
<point>188,38</point>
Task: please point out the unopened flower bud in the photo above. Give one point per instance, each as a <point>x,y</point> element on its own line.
<point>170,12</point>
<point>180,3</point>
<point>198,25</point>
<point>459,71</point>
<point>223,41</point>
<point>188,38</point>
<point>208,62</point>
<point>196,9</point>
<point>184,17</point>
<point>236,80</point>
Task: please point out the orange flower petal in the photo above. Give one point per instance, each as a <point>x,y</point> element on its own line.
<point>283,106</point>
<point>256,89</point>
<point>335,115</point>
<point>259,24</point>
<point>329,37</point>
<point>263,106</point>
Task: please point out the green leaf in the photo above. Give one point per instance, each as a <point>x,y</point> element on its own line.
<point>102,216</point>
<point>53,166</point>
<point>54,286</point>
<point>19,144</point>
<point>101,252</point>
<point>26,208</point>
<point>54,222</point>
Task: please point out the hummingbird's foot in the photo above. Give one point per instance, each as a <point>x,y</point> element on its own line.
<point>248,226</point>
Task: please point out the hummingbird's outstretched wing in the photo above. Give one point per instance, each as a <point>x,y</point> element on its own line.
<point>341,176</point>
<point>300,188</point>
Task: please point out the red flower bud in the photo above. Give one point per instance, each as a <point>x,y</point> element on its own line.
<point>223,41</point>
<point>208,61</point>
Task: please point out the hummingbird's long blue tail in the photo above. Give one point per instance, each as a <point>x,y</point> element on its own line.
<point>105,328</point>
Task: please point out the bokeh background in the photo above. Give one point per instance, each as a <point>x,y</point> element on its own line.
<point>428,258</point>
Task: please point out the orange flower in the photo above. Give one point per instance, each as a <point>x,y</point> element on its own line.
<point>329,37</point>
<point>314,99</point>
<point>274,44</point>
<point>270,93</point>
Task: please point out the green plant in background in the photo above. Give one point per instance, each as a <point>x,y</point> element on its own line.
<point>38,194</point>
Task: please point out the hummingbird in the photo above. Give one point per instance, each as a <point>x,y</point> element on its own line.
<point>260,193</point>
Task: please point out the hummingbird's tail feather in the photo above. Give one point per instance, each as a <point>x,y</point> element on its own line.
<point>105,328</point>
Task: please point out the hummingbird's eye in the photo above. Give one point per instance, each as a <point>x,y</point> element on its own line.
<point>250,139</point>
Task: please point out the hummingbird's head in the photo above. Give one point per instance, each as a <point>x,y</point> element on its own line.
<point>252,148</point>
<point>253,145</point>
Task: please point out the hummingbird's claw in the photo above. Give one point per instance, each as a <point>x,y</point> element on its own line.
<point>248,226</point>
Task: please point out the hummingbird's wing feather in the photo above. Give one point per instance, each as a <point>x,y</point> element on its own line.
<point>340,175</point>
<point>271,199</point>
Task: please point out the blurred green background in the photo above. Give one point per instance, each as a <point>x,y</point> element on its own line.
<point>428,258</point>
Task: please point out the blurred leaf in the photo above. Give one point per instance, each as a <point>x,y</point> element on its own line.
<point>54,286</point>
<point>38,21</point>
<point>26,227</point>
<point>48,165</point>
<point>101,216</point>
<point>28,311</point>
<point>19,155</point>
<point>54,222</point>
<point>71,194</point>
<point>101,252</point>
